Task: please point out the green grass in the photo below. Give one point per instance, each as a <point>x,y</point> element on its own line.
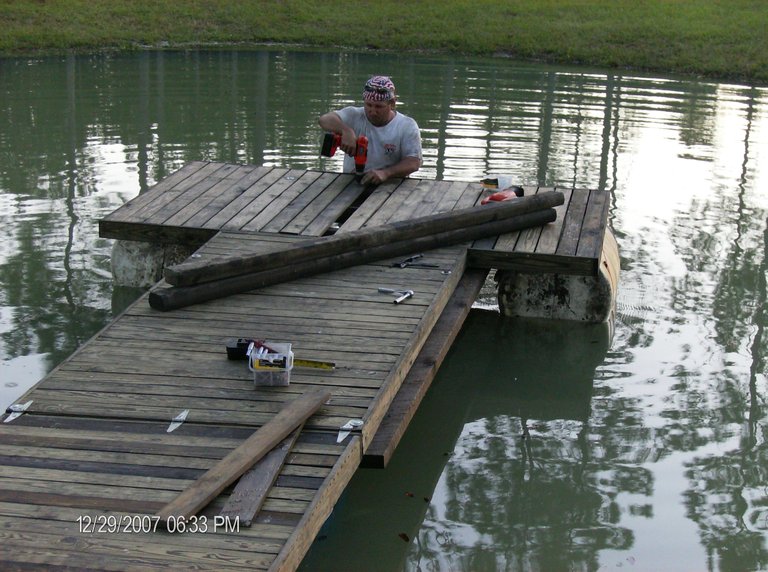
<point>718,39</point>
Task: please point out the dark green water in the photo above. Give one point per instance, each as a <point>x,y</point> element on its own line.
<point>646,450</point>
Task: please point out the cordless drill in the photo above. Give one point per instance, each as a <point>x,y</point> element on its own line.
<point>331,142</point>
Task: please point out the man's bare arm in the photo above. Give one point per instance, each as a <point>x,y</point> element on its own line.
<point>332,122</point>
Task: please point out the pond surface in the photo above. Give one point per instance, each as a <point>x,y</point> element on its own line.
<point>541,446</point>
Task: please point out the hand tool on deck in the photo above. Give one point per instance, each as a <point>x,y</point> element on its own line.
<point>237,349</point>
<point>177,421</point>
<point>347,428</point>
<point>411,262</point>
<point>402,295</point>
<point>16,410</point>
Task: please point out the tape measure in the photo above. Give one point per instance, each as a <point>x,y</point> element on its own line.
<point>237,349</point>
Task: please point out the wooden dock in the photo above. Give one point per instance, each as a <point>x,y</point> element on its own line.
<point>94,448</point>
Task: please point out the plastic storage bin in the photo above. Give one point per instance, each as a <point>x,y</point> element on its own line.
<point>271,368</point>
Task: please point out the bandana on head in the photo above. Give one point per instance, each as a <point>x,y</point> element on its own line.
<point>379,88</point>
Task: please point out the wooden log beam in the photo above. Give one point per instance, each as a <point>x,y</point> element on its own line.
<point>166,299</point>
<point>226,471</point>
<point>200,271</point>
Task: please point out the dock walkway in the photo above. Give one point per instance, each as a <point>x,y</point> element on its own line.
<point>93,446</point>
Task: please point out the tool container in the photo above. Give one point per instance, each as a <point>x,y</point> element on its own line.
<point>272,365</point>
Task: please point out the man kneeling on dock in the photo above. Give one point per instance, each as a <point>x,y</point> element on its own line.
<point>394,139</point>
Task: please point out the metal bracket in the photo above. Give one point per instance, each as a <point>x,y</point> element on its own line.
<point>16,410</point>
<point>177,421</point>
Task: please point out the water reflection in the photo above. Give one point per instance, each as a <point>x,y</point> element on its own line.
<point>520,490</point>
<point>506,475</point>
<point>661,459</point>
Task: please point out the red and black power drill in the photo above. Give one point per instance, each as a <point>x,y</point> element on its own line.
<point>331,142</point>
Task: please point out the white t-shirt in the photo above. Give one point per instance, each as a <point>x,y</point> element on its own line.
<point>387,145</point>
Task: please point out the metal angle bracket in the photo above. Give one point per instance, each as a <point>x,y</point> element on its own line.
<point>16,410</point>
<point>347,428</point>
<point>177,421</point>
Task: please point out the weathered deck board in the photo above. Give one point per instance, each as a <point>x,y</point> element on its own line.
<point>162,192</point>
<point>94,442</point>
<point>570,245</point>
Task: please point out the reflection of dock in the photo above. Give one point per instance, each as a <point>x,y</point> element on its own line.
<point>93,442</point>
<point>491,378</point>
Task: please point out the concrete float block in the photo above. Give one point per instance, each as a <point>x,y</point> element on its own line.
<point>141,264</point>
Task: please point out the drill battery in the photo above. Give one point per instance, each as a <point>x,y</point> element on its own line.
<point>331,142</point>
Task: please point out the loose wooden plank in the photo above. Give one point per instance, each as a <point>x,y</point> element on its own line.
<point>251,490</point>
<point>236,463</point>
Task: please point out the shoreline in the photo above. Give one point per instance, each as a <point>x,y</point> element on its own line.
<point>245,45</point>
<point>700,39</point>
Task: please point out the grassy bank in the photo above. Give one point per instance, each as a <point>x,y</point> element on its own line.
<point>719,39</point>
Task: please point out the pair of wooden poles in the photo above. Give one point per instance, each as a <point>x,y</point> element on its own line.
<point>200,280</point>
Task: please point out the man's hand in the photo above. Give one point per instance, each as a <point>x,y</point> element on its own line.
<point>348,141</point>
<point>332,122</point>
<point>401,170</point>
<point>374,177</point>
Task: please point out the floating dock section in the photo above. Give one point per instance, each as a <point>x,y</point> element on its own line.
<point>151,406</point>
